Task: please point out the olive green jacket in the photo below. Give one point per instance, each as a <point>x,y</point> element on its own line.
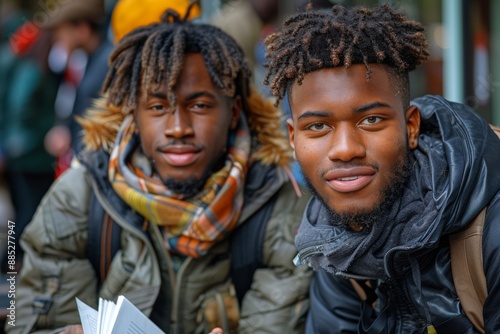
<point>56,268</point>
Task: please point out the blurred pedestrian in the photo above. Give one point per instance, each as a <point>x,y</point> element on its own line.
<point>79,25</point>
<point>27,94</point>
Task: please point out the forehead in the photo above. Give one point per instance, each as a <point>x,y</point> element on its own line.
<point>193,76</point>
<point>340,85</point>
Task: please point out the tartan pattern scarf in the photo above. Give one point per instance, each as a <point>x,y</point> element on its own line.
<point>192,226</point>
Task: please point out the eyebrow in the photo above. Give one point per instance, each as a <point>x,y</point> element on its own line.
<point>162,95</point>
<point>200,93</point>
<point>361,109</point>
<point>314,114</point>
<point>370,106</point>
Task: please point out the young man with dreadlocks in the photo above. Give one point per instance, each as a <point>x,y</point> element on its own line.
<point>392,179</point>
<point>190,164</point>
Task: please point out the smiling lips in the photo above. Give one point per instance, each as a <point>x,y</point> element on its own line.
<point>349,179</point>
<point>180,156</point>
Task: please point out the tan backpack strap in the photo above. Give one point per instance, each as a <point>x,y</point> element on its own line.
<point>365,291</point>
<point>495,129</point>
<point>467,269</point>
<point>359,289</point>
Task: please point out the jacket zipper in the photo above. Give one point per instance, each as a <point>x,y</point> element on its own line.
<point>177,288</point>
<point>175,279</point>
<point>302,256</point>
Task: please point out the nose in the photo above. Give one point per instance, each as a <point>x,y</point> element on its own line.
<point>347,144</point>
<point>179,124</point>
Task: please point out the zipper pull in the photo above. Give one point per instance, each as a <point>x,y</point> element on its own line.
<point>296,260</point>
<point>431,330</point>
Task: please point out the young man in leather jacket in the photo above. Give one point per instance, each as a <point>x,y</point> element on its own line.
<point>392,178</point>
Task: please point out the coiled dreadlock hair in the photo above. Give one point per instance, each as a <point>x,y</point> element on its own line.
<point>149,55</point>
<point>154,54</point>
<point>314,40</point>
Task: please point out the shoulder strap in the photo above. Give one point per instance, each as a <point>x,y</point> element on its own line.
<point>467,266</point>
<point>103,238</point>
<point>467,269</point>
<point>247,244</point>
<point>495,129</point>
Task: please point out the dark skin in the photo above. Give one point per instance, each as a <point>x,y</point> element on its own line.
<point>347,132</point>
<point>187,139</point>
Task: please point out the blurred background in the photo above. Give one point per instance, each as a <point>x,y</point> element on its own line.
<point>463,34</point>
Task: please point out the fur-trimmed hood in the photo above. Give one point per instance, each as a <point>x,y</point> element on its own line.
<point>269,140</point>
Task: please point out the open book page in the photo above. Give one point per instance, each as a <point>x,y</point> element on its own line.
<point>122,318</point>
<point>129,319</point>
<point>106,311</point>
<point>88,317</point>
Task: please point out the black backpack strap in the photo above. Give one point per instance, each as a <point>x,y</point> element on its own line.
<point>103,238</point>
<point>247,243</point>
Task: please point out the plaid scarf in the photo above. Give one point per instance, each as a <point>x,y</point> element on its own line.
<point>192,226</point>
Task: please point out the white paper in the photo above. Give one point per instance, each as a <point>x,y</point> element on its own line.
<point>122,318</point>
<point>88,317</point>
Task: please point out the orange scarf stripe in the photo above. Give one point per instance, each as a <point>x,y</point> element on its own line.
<point>222,210</point>
<point>192,226</point>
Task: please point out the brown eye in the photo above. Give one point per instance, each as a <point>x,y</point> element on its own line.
<point>317,127</point>
<point>372,120</point>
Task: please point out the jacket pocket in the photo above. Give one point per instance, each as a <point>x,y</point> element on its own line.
<point>219,308</point>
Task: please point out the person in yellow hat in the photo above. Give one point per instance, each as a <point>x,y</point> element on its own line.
<point>131,14</point>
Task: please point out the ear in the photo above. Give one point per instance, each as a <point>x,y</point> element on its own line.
<point>412,126</point>
<point>236,107</point>
<point>291,135</point>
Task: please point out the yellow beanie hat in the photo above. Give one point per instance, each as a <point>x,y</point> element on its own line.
<point>131,14</point>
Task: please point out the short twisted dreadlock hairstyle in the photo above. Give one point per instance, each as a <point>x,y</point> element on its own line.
<point>150,55</point>
<point>314,40</point>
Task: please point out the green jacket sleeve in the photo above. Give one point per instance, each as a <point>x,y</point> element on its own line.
<point>278,299</point>
<point>55,267</point>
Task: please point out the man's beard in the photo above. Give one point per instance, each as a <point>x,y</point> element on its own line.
<point>366,219</point>
<point>187,187</point>
<point>191,186</point>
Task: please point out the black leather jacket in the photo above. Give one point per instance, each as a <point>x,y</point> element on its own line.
<point>418,289</point>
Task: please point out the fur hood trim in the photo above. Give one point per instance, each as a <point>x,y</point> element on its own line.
<point>269,140</point>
